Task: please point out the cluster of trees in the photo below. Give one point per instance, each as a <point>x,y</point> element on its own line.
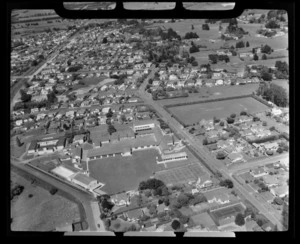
<point>266,49</point>
<point>191,35</point>
<point>170,34</point>
<point>282,70</point>
<point>276,15</point>
<point>241,44</point>
<point>186,199</point>
<point>105,203</point>
<point>214,58</point>
<point>75,68</point>
<point>233,28</point>
<point>157,186</point>
<point>205,27</point>
<point>194,49</point>
<point>227,183</point>
<point>274,93</point>
<point>272,24</point>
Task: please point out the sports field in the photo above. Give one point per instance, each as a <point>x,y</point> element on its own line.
<point>190,114</point>
<point>227,212</point>
<point>124,173</point>
<point>182,174</point>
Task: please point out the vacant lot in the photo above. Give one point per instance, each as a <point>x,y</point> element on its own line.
<point>124,173</point>
<point>190,114</point>
<point>181,174</point>
<point>42,211</point>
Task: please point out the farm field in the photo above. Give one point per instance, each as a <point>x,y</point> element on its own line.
<point>227,211</point>
<point>43,211</point>
<point>208,6</point>
<point>124,173</point>
<point>212,93</point>
<point>181,174</point>
<point>190,114</point>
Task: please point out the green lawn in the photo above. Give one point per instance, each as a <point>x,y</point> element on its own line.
<point>124,173</point>
<point>190,114</point>
<point>212,93</point>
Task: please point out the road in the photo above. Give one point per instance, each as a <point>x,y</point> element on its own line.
<point>87,201</point>
<point>198,148</point>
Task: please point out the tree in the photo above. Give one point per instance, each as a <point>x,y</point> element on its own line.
<point>233,116</point>
<point>52,97</point>
<point>205,142</point>
<point>175,224</point>
<point>280,150</point>
<point>249,211</point>
<point>111,129</point>
<point>239,219</point>
<point>264,57</point>
<point>107,223</point>
<point>227,183</point>
<point>272,24</point>
<point>132,228</point>
<point>53,190</point>
<point>240,44</point>
<point>205,27</point>
<point>18,142</point>
<point>255,57</point>
<point>184,219</point>
<point>243,113</point>
<point>183,199</point>
<point>194,49</point>
<point>105,204</point>
<point>247,44</point>
<point>24,96</point>
<point>102,216</point>
<point>222,123</point>
<point>266,76</point>
<point>220,155</point>
<point>266,49</point>
<point>230,120</point>
<point>195,63</point>
<point>213,58</point>
<point>192,27</point>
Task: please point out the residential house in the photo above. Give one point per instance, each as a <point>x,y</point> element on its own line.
<point>258,172</point>
<point>235,157</point>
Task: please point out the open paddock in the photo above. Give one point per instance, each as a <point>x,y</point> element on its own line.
<point>190,114</point>
<point>124,173</point>
<point>181,174</point>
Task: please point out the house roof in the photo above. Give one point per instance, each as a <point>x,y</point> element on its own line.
<point>143,122</point>
<point>267,195</point>
<point>234,156</point>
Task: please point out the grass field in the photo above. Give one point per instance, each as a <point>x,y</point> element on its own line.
<point>213,92</point>
<point>190,114</point>
<point>41,212</point>
<point>181,174</point>
<point>227,212</point>
<point>124,173</point>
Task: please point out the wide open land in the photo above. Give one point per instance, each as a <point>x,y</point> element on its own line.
<point>41,212</point>
<point>190,114</point>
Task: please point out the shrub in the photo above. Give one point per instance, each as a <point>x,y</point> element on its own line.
<point>53,191</point>
<point>220,155</point>
<point>175,224</point>
<point>239,219</point>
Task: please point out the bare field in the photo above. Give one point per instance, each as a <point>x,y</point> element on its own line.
<point>41,212</point>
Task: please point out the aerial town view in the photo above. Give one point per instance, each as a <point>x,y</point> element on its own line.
<point>121,125</point>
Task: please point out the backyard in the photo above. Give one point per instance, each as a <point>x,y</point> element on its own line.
<point>124,173</point>
<point>190,114</point>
